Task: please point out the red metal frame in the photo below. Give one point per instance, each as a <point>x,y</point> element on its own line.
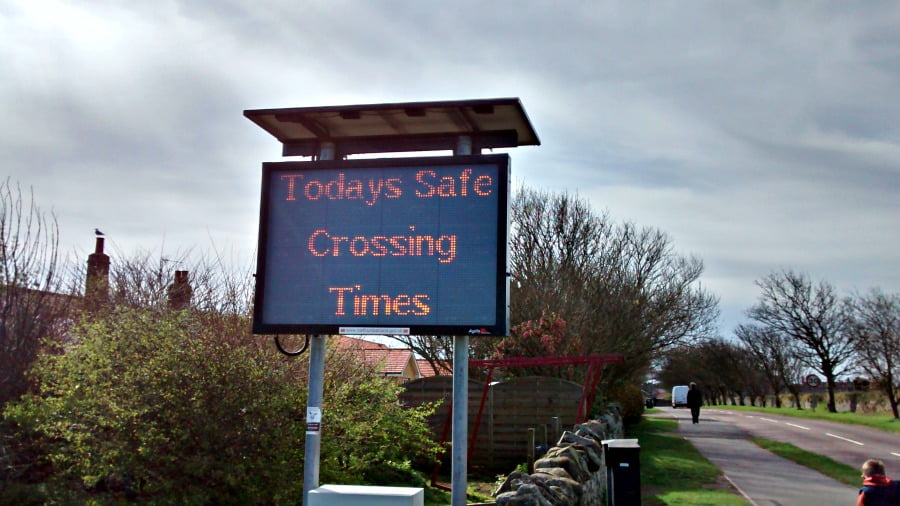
<point>591,380</point>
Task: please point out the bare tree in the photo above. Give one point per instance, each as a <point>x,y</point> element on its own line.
<point>727,364</point>
<point>719,367</point>
<point>33,302</point>
<point>774,354</point>
<point>759,352</point>
<point>680,366</point>
<point>143,279</point>
<point>436,350</point>
<point>875,328</point>
<point>555,242</point>
<point>814,317</point>
<point>620,288</point>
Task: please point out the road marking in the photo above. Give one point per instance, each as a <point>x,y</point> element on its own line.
<point>733,484</point>
<point>798,426</point>
<point>895,454</point>
<point>769,420</point>
<point>845,439</point>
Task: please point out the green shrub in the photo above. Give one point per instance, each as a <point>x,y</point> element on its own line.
<point>180,407</point>
<point>158,405</point>
<point>365,428</point>
<point>630,399</point>
<point>398,474</point>
<point>21,494</point>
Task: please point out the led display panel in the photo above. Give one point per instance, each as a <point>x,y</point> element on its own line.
<point>386,246</point>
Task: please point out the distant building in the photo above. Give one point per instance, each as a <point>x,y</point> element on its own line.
<point>389,362</point>
<point>428,371</point>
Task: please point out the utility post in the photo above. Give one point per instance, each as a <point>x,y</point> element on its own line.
<point>459,459</point>
<point>316,387</point>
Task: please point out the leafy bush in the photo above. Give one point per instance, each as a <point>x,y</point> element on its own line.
<point>158,405</point>
<point>21,494</point>
<point>631,400</point>
<point>535,338</point>
<point>182,407</point>
<point>368,437</point>
<point>400,474</point>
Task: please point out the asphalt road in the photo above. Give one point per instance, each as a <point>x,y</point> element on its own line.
<point>849,444</point>
<point>764,478</point>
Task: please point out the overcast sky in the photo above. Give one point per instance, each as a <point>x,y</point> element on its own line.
<point>759,135</point>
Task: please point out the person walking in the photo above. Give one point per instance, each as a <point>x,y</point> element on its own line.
<point>877,489</point>
<point>694,401</point>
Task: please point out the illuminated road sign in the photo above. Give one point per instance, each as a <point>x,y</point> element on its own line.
<point>399,245</point>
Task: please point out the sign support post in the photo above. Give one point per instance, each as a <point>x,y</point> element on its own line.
<point>460,438</point>
<point>316,387</point>
<point>313,408</point>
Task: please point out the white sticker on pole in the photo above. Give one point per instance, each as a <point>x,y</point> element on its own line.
<point>313,420</point>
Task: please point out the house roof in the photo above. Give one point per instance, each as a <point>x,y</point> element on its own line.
<point>427,371</point>
<point>390,361</point>
<point>393,362</point>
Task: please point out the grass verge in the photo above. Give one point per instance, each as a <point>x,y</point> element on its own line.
<point>673,472</point>
<point>838,471</point>
<point>882,422</point>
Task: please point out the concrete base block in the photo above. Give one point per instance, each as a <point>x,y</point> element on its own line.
<point>360,495</point>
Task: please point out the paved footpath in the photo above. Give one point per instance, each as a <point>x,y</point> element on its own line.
<point>764,478</point>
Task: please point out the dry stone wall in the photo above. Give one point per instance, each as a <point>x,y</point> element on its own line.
<point>572,472</point>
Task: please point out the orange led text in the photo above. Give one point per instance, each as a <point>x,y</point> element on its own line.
<point>341,188</point>
<point>323,243</point>
<point>464,185</point>
<point>367,304</point>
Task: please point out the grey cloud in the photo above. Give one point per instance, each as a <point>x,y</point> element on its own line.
<point>759,135</point>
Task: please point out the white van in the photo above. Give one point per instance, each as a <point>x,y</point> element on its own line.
<point>679,396</point>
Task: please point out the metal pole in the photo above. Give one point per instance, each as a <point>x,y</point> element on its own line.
<point>460,443</point>
<point>313,411</point>
<point>458,478</point>
<point>315,393</point>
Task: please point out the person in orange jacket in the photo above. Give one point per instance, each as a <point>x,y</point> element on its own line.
<point>877,489</point>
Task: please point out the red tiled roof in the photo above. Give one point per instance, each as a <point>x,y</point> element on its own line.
<point>391,361</point>
<point>427,371</point>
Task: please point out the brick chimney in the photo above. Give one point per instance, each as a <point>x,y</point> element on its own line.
<point>96,290</point>
<point>180,291</point>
